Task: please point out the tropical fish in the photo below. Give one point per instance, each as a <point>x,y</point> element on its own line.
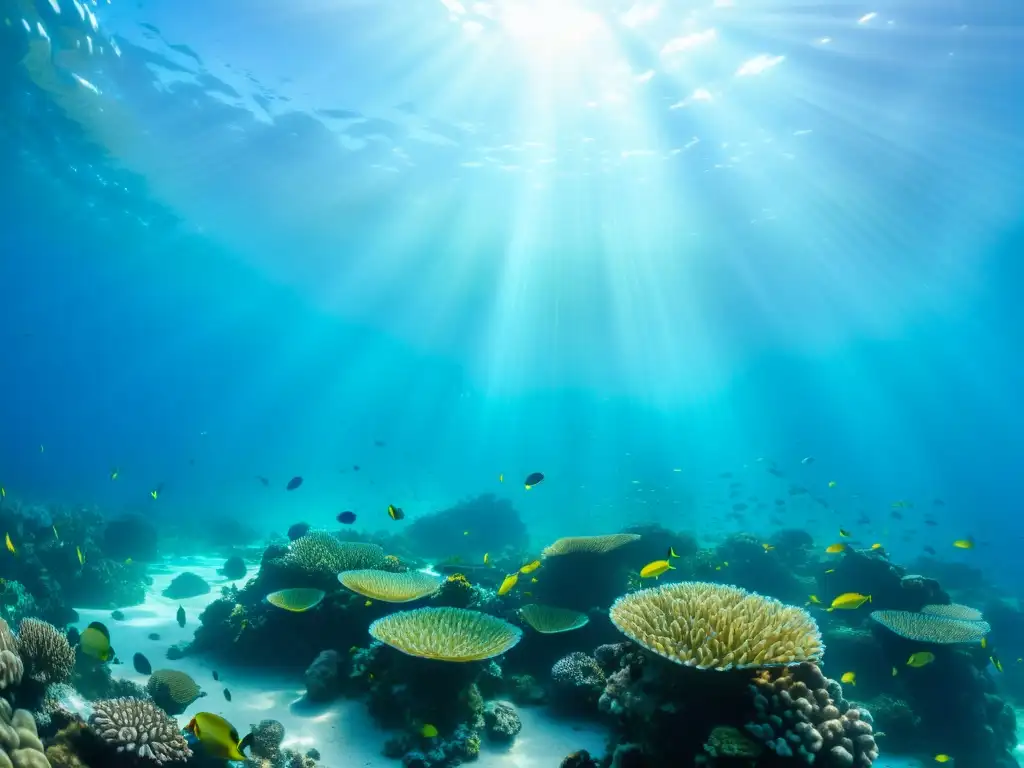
<point>227,694</point>
<point>849,601</point>
<point>487,558</point>
<point>501,477</point>
<point>264,481</point>
<point>81,557</point>
<point>530,567</point>
<point>894,671</point>
<point>984,642</point>
<point>216,675</point>
<point>807,460</point>
<point>10,545</point>
<point>155,493</point>
<point>141,664</point>
<point>95,642</point>
<point>180,616</point>
<point>368,603</point>
<point>465,533</point>
<point>835,548</point>
<point>849,677</point>
<point>920,659</point>
<point>996,662</point>
<point>532,479</point>
<point>218,737</point>
<point>964,543</point>
<point>428,731</point>
<point>876,545</point>
<point>768,547</point>
<point>296,600</point>
<point>831,483</point>
<point>844,533</point>
<point>294,483</point>
<point>509,582</point>
<point>813,600</point>
<point>654,569</point>
<point>153,636</point>
<point>42,447</point>
<point>3,492</point>
<point>114,473</point>
<point>942,758</point>
<point>395,513</point>
<point>347,517</point>
<point>533,580</point>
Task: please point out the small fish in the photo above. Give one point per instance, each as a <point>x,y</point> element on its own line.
<point>395,513</point>
<point>117,615</point>
<point>530,567</point>
<point>294,483</point>
<point>532,479</point>
<point>501,477</point>
<point>368,603</point>
<point>942,758</point>
<point>128,561</point>
<point>844,533</point>
<point>3,492</point>
<point>833,549</point>
<point>876,545</point>
<point>768,547</point>
<point>180,616</point>
<point>154,493</point>
<point>465,533</point>
<point>654,569</point>
<point>831,483</point>
<point>42,448</point>
<point>894,671</point>
<point>55,534</point>
<point>807,460</point>
<point>428,731</point>
<point>141,664</point>
<point>929,550</point>
<point>964,543</point>
<point>81,557</point>
<point>10,545</point>
<point>355,467</point>
<point>831,570</point>
<point>849,601</point>
<point>264,481</point>
<point>114,473</point>
<point>153,636</point>
<point>509,582</point>
<point>216,675</point>
<point>813,600</point>
<point>227,694</point>
<point>849,677</point>
<point>533,580</point>
<point>527,594</point>
<point>347,517</point>
<point>920,659</point>
<point>487,558</point>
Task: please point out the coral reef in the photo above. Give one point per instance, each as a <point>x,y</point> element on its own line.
<point>322,677</point>
<point>234,568</point>
<point>502,721</point>
<point>267,736</point>
<point>185,585</point>
<point>45,651</point>
<point>493,525</point>
<point>801,712</point>
<point>729,742</point>
<point>577,681</point>
<point>139,727</point>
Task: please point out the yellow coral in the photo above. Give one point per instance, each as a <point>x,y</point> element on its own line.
<point>715,626</point>
<point>597,545</point>
<point>389,587</point>
<point>446,634</point>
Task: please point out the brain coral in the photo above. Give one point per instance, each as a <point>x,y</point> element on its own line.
<point>45,652</point>
<point>390,587</point>
<point>11,666</point>
<point>446,634</point>
<point>597,545</point>
<point>927,628</point>
<point>140,727</point>
<point>320,552</point>
<point>802,712</point>
<point>954,611</point>
<point>714,626</point>
<point>172,690</point>
<point>549,620</point>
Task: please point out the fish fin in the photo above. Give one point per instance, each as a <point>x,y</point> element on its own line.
<point>671,567</point>
<point>869,598</point>
<point>245,743</point>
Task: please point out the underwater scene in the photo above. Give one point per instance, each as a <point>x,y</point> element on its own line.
<point>512,383</point>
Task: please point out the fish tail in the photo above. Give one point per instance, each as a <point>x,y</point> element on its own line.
<point>869,598</point>
<point>830,609</point>
<point>671,567</point>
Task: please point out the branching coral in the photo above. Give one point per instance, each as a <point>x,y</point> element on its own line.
<point>802,712</point>
<point>713,626</point>
<point>502,721</point>
<point>139,727</point>
<point>578,680</point>
<point>446,634</point>
<point>45,652</point>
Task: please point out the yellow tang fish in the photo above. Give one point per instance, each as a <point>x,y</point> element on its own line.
<point>81,557</point>
<point>655,569</point>
<point>368,603</point>
<point>154,493</point>
<point>533,580</point>
<point>530,567</point>
<point>3,492</point>
<point>844,533</point>
<point>942,758</point>
<point>10,545</point>
<point>876,545</point>
<point>849,601</point>
<point>487,558</point>
<point>849,677</point>
<point>509,582</point>
<point>768,547</point>
<point>996,662</point>
<point>813,600</point>
<point>984,642</point>
<point>920,659</point>
<point>831,483</point>
<point>501,478</point>
<point>964,543</point>
<point>835,548</point>
<point>831,570</point>
<point>465,533</point>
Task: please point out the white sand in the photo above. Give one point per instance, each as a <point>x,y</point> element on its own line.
<point>342,731</point>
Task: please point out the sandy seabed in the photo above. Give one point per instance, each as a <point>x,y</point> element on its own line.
<point>343,732</point>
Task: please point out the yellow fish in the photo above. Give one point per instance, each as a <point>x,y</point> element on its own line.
<point>849,601</point>
<point>509,582</point>
<point>831,570</point>
<point>831,483</point>
<point>428,731</point>
<point>95,641</point>
<point>996,662</point>
<point>487,558</point>
<point>984,642</point>
<point>768,547</point>
<point>920,659</point>
<point>128,561</point>
<point>655,569</point>
<point>368,603</point>
<point>154,493</point>
<point>81,557</point>
<point>501,478</point>
<point>3,492</point>
<point>849,677</point>
<point>530,567</point>
<point>10,545</point>
<point>894,671</point>
<point>465,533</point>
<point>942,758</point>
<point>964,543</point>
<point>835,548</point>
<point>218,737</point>
<point>813,600</point>
<point>844,533</point>
<point>114,473</point>
<point>55,532</point>
<point>876,545</point>
<point>533,580</point>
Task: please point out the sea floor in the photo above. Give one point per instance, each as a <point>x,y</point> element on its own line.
<point>342,732</point>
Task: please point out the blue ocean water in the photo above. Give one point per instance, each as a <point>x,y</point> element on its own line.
<point>633,246</point>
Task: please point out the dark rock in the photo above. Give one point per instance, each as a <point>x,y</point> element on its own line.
<point>186,585</point>
<point>297,531</point>
<point>323,676</point>
<point>581,759</point>
<point>493,523</point>
<point>234,568</point>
